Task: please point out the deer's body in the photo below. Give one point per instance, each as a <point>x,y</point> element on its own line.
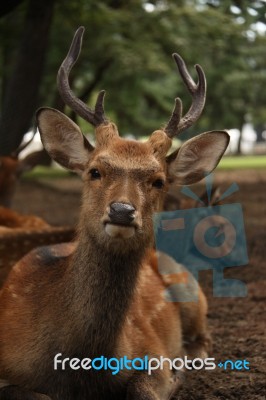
<point>84,323</point>
<point>11,169</point>
<point>104,294</point>
<point>8,178</point>
<point>11,219</point>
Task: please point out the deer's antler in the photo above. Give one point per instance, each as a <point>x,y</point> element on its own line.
<point>177,123</point>
<point>95,117</point>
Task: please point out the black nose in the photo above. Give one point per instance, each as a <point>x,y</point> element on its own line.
<point>121,213</point>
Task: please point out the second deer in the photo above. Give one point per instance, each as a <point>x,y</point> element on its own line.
<point>12,167</point>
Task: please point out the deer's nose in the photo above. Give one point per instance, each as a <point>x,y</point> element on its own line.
<point>121,213</point>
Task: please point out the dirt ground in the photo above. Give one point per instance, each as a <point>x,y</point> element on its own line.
<point>237,324</point>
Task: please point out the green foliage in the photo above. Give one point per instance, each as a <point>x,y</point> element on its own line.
<point>127,51</point>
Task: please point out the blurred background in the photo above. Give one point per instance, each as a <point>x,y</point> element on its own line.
<point>127,50</point>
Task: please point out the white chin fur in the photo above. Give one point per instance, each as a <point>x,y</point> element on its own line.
<point>118,231</point>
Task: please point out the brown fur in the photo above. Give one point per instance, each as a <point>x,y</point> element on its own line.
<point>102,295</point>
<point>12,219</point>
<point>8,179</point>
<point>11,169</point>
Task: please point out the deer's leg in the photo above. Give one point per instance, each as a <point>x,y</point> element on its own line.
<point>160,385</point>
<point>193,314</point>
<point>17,393</point>
<point>196,337</point>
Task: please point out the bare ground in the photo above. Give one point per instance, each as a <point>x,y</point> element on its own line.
<point>237,324</point>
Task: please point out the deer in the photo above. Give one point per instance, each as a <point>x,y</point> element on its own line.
<point>20,233</point>
<point>103,294</point>
<point>12,168</point>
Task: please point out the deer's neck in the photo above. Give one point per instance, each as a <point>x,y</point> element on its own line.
<point>102,286</point>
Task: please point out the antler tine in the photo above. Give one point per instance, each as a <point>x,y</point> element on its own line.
<point>95,117</point>
<point>177,124</point>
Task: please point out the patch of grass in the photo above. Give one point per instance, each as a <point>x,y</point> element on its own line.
<point>243,162</point>
<point>47,172</point>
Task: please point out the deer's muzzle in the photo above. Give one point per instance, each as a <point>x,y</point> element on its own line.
<point>120,223</point>
<point>121,213</point>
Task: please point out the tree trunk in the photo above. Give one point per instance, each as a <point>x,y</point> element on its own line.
<point>8,6</point>
<point>238,151</point>
<point>22,89</point>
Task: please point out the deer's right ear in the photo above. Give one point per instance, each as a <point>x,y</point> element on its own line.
<point>63,139</point>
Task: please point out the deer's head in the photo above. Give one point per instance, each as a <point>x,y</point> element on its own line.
<point>125,181</point>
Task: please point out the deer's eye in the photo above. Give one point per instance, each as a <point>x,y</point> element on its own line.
<point>95,174</point>
<point>158,184</point>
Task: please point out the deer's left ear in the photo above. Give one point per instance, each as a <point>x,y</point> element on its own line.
<point>197,157</point>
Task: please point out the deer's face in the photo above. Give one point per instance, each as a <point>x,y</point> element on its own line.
<point>124,184</point>
<point>125,181</point>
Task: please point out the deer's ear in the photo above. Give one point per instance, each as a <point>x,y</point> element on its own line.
<point>197,157</point>
<point>63,139</point>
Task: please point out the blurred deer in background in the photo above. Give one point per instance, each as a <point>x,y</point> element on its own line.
<point>11,169</point>
<point>19,233</point>
<point>103,295</point>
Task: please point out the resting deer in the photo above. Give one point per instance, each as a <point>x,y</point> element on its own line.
<point>103,295</point>
<point>11,169</point>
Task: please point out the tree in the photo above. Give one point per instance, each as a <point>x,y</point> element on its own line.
<point>127,51</point>
<point>21,91</point>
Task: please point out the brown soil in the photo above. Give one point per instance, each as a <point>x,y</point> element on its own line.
<point>237,324</point>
